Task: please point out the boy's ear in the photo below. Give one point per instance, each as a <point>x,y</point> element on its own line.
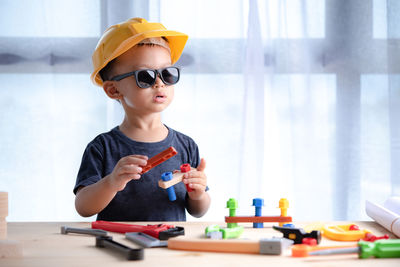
<point>111,90</point>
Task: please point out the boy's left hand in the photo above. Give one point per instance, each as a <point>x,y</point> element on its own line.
<point>197,180</point>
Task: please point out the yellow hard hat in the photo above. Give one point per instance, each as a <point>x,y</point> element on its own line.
<point>119,38</point>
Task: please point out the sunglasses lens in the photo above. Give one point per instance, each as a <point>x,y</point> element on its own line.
<point>170,75</point>
<point>146,78</point>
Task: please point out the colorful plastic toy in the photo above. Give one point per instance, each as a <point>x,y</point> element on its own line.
<point>159,158</point>
<point>233,230</point>
<point>184,169</point>
<point>167,176</point>
<point>216,232</point>
<point>145,240</point>
<point>177,177</point>
<point>343,232</point>
<point>372,238</point>
<point>232,205</point>
<point>232,219</point>
<point>283,205</point>
<point>129,253</point>
<point>384,248</point>
<point>309,241</point>
<point>258,203</point>
<point>298,234</point>
<point>303,250</point>
<point>160,231</point>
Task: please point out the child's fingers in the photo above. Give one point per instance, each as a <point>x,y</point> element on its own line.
<point>197,187</point>
<point>129,176</point>
<point>202,165</point>
<point>133,160</point>
<point>129,169</point>
<point>140,156</point>
<point>199,181</point>
<point>195,174</point>
<point>135,176</point>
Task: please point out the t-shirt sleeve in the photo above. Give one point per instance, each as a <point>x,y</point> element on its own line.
<point>91,167</point>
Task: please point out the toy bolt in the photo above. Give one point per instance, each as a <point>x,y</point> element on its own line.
<point>232,205</point>
<point>283,205</point>
<point>258,203</point>
<point>166,176</point>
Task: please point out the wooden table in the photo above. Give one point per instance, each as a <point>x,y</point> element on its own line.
<point>43,245</point>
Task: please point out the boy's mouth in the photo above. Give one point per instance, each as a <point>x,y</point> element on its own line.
<point>159,98</point>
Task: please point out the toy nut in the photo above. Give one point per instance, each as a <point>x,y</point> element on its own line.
<point>185,167</point>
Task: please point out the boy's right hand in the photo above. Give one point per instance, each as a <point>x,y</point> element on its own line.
<point>127,168</point>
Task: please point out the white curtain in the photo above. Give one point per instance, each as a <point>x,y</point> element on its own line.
<point>331,127</point>
<point>296,99</point>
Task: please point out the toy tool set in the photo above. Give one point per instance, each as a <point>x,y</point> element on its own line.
<point>227,238</point>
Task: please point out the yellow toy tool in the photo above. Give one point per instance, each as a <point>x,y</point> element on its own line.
<point>346,232</point>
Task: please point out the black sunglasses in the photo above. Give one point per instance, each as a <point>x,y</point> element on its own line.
<point>147,77</point>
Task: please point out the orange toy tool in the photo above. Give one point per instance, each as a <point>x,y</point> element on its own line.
<point>159,158</point>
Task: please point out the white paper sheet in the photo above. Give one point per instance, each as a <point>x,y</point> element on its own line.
<point>393,204</point>
<point>388,215</point>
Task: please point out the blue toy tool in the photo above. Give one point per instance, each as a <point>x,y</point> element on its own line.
<point>166,176</point>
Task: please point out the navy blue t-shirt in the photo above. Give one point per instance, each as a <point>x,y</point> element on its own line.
<point>142,199</point>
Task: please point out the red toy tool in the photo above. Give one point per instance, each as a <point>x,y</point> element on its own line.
<point>159,158</point>
<point>372,238</point>
<point>160,231</point>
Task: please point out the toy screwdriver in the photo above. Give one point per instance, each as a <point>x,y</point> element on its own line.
<point>383,248</point>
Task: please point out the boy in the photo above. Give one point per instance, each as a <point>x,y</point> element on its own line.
<point>133,63</point>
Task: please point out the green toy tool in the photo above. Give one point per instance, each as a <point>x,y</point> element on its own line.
<point>383,248</point>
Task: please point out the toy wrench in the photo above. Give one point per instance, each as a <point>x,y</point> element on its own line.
<point>129,253</point>
<point>160,231</point>
<point>145,241</point>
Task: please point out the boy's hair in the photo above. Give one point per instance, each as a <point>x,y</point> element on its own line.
<point>119,38</point>
<point>106,72</point>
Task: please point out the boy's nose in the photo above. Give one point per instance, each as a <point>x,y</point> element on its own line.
<point>158,82</point>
